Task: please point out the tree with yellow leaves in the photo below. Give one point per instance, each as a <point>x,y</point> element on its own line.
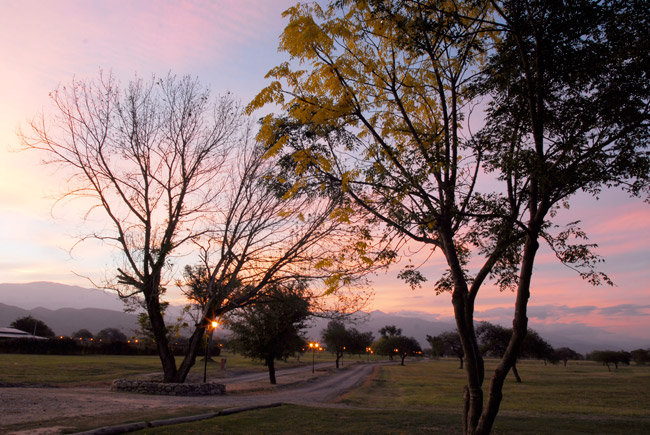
<point>379,96</point>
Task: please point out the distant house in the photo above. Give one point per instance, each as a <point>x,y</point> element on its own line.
<point>6,333</point>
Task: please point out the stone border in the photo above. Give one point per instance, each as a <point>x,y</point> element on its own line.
<point>168,389</point>
<point>130,427</point>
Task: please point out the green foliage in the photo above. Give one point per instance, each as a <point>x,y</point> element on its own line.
<point>607,357</point>
<point>338,339</point>
<point>111,335</point>
<point>494,340</point>
<point>392,342</point>
<point>32,326</point>
<point>447,343</point>
<point>390,331</point>
<point>70,346</point>
<point>271,329</point>
<point>565,354</point>
<point>641,356</point>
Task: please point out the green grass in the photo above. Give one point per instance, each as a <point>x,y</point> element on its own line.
<point>305,420</point>
<point>86,423</point>
<point>426,397</point>
<point>60,370</point>
<point>579,388</point>
<point>420,397</point>
<point>77,370</point>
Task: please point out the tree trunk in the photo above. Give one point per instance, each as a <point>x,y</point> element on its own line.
<point>270,363</point>
<point>461,362</point>
<point>403,358</point>
<point>463,304</point>
<point>519,329</point>
<point>160,333</point>
<point>516,373</point>
<point>190,356</point>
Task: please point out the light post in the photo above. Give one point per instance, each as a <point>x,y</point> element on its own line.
<point>214,325</point>
<point>313,347</point>
<point>368,351</point>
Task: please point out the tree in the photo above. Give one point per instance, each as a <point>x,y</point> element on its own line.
<point>339,339</point>
<point>565,354</point>
<point>534,346</point>
<point>378,111</point>
<point>145,332</point>
<point>336,338</point>
<point>111,335</point>
<point>359,342</point>
<point>32,326</point>
<point>438,349</point>
<point>174,172</point>
<point>383,345</point>
<point>494,341</point>
<point>390,331</point>
<point>640,356</point>
<point>403,346</point>
<point>83,334</point>
<point>608,357</point>
<point>447,343</point>
<point>269,233</point>
<point>270,329</point>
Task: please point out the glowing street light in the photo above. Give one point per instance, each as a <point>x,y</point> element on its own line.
<point>208,330</point>
<point>313,347</point>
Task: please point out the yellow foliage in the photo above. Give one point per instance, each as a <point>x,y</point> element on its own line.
<point>342,214</point>
<point>276,148</point>
<point>324,263</point>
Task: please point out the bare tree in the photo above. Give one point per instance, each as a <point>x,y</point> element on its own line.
<point>173,170</point>
<point>266,235</point>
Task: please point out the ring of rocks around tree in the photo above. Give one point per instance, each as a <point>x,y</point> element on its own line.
<point>168,389</point>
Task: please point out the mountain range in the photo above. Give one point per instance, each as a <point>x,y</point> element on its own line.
<point>66,309</point>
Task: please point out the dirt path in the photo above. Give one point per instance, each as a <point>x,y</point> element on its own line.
<point>25,405</point>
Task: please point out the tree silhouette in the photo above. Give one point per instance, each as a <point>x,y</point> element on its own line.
<point>174,171</point>
<point>270,329</point>
<point>447,343</point>
<point>83,333</point>
<point>111,335</point>
<point>32,326</point>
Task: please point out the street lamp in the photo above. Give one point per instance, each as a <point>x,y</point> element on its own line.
<point>214,325</point>
<point>368,351</point>
<point>313,347</point>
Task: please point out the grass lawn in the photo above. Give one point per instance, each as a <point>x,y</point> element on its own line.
<point>304,420</point>
<point>426,397</point>
<point>422,397</point>
<point>78,370</point>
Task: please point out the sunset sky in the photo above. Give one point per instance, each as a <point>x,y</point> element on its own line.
<point>230,45</point>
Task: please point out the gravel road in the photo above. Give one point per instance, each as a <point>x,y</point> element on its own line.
<point>22,405</point>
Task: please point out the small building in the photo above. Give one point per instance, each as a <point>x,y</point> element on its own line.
<point>6,333</point>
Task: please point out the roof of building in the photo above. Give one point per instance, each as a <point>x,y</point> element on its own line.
<point>16,333</point>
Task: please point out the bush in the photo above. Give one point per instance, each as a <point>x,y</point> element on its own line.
<point>68,346</point>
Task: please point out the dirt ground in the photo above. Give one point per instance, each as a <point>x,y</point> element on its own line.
<point>27,405</point>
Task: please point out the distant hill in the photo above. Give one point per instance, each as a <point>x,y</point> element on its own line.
<point>69,308</point>
<point>65,321</point>
<point>54,296</point>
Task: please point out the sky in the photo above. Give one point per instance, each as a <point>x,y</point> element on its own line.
<point>230,46</point>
